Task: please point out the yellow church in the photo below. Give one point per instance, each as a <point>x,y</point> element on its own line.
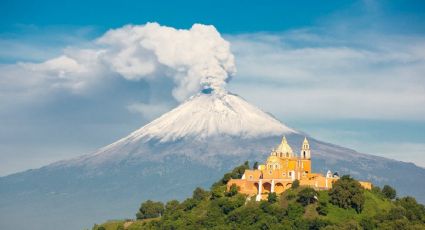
<point>282,167</point>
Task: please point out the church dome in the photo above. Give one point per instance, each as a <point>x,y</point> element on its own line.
<point>273,159</point>
<point>284,147</point>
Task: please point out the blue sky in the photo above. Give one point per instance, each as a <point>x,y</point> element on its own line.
<point>347,72</point>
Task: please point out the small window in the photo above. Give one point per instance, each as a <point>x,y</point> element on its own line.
<point>250,177</point>
<point>290,173</point>
<point>283,174</point>
<point>270,172</point>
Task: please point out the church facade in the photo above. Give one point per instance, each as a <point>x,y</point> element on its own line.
<point>281,168</point>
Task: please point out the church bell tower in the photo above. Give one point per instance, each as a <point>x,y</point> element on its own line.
<point>305,150</point>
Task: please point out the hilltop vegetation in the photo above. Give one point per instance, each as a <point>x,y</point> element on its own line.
<point>346,206</point>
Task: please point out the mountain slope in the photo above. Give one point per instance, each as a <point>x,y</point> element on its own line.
<point>201,119</point>
<point>192,145</point>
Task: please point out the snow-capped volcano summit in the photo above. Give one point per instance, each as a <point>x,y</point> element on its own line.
<point>210,114</point>
<point>216,118</point>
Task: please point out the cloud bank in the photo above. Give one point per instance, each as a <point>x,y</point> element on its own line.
<point>310,75</point>
<point>193,59</point>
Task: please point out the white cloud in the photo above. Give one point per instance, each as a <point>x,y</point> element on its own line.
<point>148,110</point>
<point>192,59</point>
<point>303,75</point>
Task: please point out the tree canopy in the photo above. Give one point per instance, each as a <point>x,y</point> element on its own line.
<point>389,192</point>
<point>296,208</point>
<point>150,209</point>
<point>347,192</point>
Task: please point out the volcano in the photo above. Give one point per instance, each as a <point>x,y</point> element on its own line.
<point>191,145</point>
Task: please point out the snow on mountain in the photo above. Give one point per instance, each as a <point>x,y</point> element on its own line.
<point>211,114</point>
<point>216,117</point>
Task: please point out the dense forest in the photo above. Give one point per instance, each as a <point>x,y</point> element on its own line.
<point>346,206</point>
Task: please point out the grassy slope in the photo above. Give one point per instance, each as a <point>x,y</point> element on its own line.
<point>373,205</point>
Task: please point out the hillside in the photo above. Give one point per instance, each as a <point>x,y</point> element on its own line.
<point>296,208</point>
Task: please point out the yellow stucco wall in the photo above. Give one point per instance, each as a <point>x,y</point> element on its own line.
<point>278,173</point>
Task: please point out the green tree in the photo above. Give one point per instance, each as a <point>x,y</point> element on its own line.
<point>347,192</point>
<point>294,211</point>
<point>233,190</point>
<point>229,204</point>
<point>200,194</point>
<point>389,192</point>
<point>246,164</point>
<point>317,224</point>
<point>396,213</point>
<point>307,196</point>
<point>295,184</point>
<point>218,191</point>
<point>368,223</point>
<point>414,210</point>
<point>272,197</point>
<point>322,208</point>
<point>150,209</point>
<point>189,204</point>
<point>255,166</point>
<point>172,205</point>
<point>236,173</point>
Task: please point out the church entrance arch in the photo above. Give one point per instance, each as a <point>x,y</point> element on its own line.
<point>267,187</point>
<point>257,187</point>
<point>279,188</point>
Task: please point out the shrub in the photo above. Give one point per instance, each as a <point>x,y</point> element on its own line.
<point>150,209</point>
<point>172,205</point>
<point>272,197</point>
<point>189,204</point>
<point>200,194</point>
<point>235,174</point>
<point>233,190</point>
<point>229,204</point>
<point>368,223</point>
<point>347,192</point>
<point>255,166</point>
<point>295,184</point>
<point>294,211</point>
<point>414,210</point>
<point>389,192</point>
<point>307,196</point>
<point>317,224</point>
<point>322,208</point>
<point>218,191</point>
<point>290,195</point>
